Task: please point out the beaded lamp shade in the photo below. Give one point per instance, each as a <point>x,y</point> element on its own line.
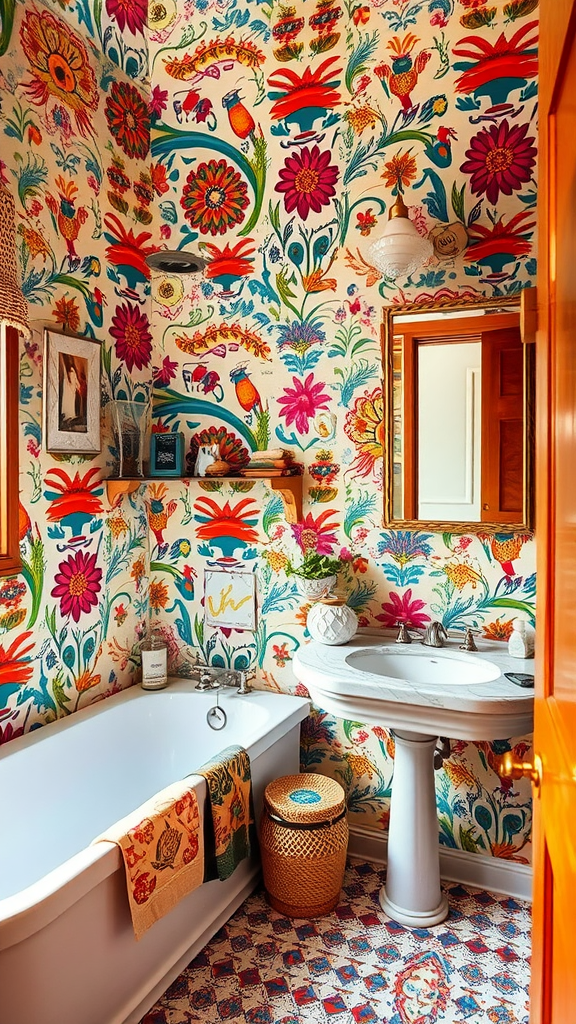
<point>13,307</point>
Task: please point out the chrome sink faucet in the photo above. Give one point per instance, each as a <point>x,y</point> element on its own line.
<point>434,635</point>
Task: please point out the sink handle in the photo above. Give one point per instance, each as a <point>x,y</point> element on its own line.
<point>469,643</point>
<point>404,633</point>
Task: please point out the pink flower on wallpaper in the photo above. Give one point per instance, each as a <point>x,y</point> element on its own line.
<point>9,732</point>
<point>439,19</point>
<point>77,584</point>
<point>307,181</point>
<point>131,13</point>
<point>133,339</point>
<point>403,609</point>
<point>302,402</point>
<point>315,534</point>
<point>500,160</point>
<point>162,375</point>
<point>158,101</point>
<point>57,122</point>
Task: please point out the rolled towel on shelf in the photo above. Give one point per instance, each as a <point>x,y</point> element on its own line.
<point>272,453</point>
<point>230,833</point>
<point>162,846</point>
<point>265,464</point>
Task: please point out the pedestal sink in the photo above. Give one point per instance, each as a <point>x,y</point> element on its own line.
<point>419,693</point>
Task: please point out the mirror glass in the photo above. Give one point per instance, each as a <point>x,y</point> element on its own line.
<point>458,401</point>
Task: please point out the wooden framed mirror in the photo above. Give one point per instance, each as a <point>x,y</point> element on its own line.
<point>458,409</point>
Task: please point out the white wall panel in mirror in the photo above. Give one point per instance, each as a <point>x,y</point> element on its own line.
<point>449,431</point>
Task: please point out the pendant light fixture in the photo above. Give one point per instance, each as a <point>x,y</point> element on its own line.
<point>176,261</point>
<point>400,250</point>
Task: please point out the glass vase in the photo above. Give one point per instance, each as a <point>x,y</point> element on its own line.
<point>130,427</point>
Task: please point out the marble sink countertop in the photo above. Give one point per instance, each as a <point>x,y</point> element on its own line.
<point>498,709</point>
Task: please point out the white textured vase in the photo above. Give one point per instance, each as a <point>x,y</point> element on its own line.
<point>332,622</point>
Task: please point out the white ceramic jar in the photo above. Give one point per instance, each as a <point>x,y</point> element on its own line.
<point>332,622</point>
<point>314,590</point>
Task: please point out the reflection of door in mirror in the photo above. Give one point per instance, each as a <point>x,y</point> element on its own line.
<point>458,419</point>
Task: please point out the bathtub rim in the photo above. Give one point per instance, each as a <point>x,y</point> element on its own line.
<point>28,911</point>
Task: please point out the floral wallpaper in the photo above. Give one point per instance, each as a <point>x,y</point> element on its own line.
<point>75,153</point>
<point>280,136</point>
<point>284,133</point>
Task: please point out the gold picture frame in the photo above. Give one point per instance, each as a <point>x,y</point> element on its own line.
<point>392,518</point>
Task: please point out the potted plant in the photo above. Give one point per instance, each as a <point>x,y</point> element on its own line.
<point>315,576</point>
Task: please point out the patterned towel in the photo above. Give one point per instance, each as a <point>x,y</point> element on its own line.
<point>163,851</point>
<point>229,829</point>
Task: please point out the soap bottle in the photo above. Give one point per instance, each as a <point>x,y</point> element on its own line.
<point>521,642</point>
<point>154,654</point>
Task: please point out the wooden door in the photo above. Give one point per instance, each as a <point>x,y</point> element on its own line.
<point>553,990</point>
<point>503,426</point>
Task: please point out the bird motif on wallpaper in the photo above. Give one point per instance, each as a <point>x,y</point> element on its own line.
<point>158,511</point>
<point>67,218</point>
<point>246,393</point>
<point>440,151</point>
<point>402,75</point>
<point>506,547</point>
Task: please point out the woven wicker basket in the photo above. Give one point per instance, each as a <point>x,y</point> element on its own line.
<point>303,842</point>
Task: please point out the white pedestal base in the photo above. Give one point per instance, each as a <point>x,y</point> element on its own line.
<point>412,893</point>
<point>419,919</point>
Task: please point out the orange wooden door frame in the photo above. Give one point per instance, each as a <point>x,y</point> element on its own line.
<point>553,988</point>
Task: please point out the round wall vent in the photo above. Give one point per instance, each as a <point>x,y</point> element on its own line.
<point>174,261</point>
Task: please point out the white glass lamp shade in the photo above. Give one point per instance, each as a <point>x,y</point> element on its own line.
<point>400,250</point>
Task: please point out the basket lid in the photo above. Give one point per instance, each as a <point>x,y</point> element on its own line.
<point>305,797</point>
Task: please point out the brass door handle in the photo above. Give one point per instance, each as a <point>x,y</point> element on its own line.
<point>511,768</point>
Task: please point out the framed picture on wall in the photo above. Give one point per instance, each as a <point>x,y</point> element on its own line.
<point>71,394</point>
<point>230,599</point>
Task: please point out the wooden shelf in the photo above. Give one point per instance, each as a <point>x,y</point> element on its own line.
<point>122,485</point>
<point>288,487</point>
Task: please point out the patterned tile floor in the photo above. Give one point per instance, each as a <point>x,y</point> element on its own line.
<point>356,966</point>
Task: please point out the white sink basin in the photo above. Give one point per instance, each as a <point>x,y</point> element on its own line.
<point>429,690</point>
<point>422,666</point>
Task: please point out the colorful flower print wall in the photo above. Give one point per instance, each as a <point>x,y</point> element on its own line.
<point>75,153</point>
<point>281,135</point>
<point>115,29</point>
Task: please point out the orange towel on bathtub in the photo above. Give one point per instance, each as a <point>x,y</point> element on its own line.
<point>162,846</point>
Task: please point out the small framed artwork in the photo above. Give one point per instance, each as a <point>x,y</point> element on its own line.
<point>167,454</point>
<point>230,599</point>
<point>71,394</point>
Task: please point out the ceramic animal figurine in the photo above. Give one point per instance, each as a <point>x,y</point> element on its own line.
<point>207,454</point>
<point>218,468</point>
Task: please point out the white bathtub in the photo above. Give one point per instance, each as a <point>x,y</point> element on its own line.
<point>67,949</point>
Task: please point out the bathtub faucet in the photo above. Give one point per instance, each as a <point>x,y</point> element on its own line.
<point>212,677</point>
<point>239,679</point>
